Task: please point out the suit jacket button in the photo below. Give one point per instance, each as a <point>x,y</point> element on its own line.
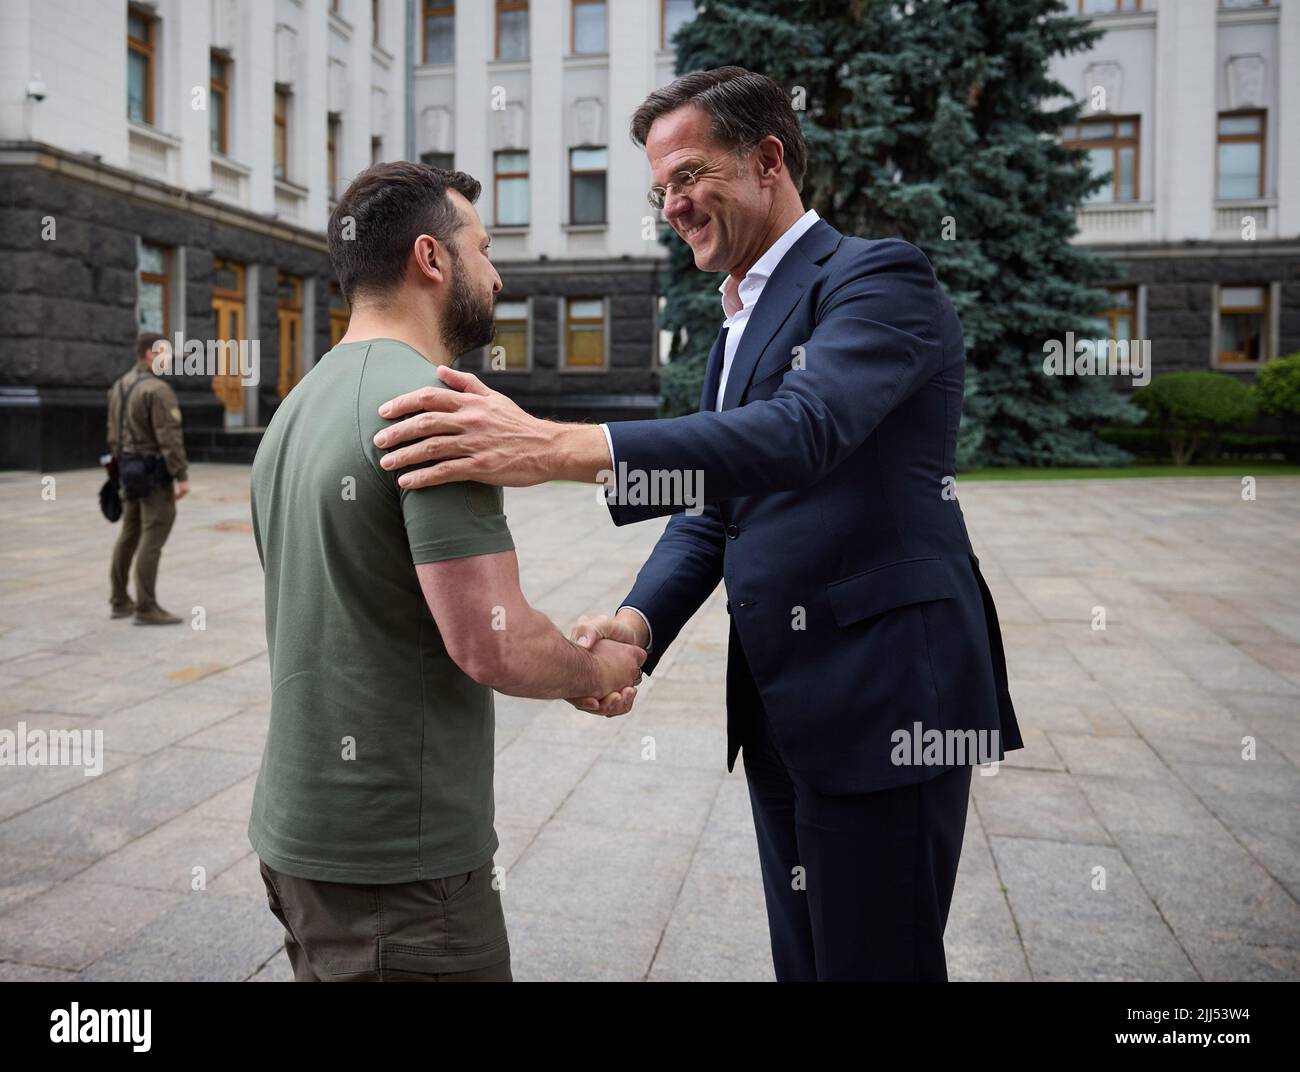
<point>732,532</point>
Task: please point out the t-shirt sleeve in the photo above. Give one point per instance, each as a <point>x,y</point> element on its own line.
<point>455,521</point>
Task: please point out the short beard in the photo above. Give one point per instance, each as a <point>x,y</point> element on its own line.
<point>467,323</point>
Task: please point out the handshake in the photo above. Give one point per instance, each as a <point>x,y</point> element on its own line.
<point>618,645</point>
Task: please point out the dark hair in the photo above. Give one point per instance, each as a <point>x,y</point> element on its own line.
<point>746,108</point>
<point>390,205</point>
<point>144,342</point>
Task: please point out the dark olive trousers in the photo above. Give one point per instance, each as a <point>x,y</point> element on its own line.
<point>146,524</point>
<point>439,930</point>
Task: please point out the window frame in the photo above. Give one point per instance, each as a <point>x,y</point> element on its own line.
<point>435,9</point>
<point>1115,144</point>
<point>280,132</point>
<point>604,213</point>
<point>149,50</point>
<point>1119,9</point>
<point>333,130</point>
<point>498,175</point>
<point>1114,312</point>
<point>573,28</point>
<point>1260,139</point>
<point>1266,312</point>
<point>222,84</point>
<point>567,335</point>
<point>509,5</point>
<point>163,279</point>
<point>663,26</point>
<point>527,323</point>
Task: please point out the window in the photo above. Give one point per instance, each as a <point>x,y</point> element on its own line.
<point>587,169</point>
<point>288,314</point>
<point>153,296</point>
<point>1243,325</point>
<point>512,29</point>
<point>511,336</point>
<point>1112,147</point>
<point>445,161</point>
<point>1241,155</point>
<point>1106,7</point>
<point>439,31</point>
<point>673,15</point>
<point>511,185</point>
<point>376,150</point>
<point>332,137</point>
<point>219,104</point>
<point>339,314</point>
<point>141,34</point>
<point>281,133</point>
<point>1121,314</point>
<point>584,333</point>
<point>588,27</point>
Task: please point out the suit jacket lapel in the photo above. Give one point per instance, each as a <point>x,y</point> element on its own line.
<point>778,300</point>
<point>713,373</point>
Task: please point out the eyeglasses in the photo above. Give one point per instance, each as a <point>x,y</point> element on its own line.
<point>681,182</point>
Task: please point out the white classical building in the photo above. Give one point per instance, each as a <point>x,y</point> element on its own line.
<point>187,153</point>
<point>1193,108</point>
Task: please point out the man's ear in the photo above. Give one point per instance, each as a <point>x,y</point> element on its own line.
<point>430,257</point>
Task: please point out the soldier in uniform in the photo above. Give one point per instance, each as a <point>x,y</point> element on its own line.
<point>150,426</point>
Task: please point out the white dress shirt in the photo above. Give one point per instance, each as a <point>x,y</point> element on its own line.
<point>738,301</point>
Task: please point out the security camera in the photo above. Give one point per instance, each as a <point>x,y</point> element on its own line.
<point>36,89</point>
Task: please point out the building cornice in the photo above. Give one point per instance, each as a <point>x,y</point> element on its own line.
<point>1199,250</point>
<point>151,191</point>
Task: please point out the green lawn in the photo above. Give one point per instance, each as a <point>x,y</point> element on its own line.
<point>1236,469</point>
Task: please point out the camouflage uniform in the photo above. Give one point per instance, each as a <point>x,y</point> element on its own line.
<point>152,426</point>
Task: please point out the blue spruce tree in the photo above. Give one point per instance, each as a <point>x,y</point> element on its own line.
<point>936,121</point>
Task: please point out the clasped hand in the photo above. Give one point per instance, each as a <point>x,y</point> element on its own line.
<point>617,647</point>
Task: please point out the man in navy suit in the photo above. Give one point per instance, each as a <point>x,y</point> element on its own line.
<point>866,674</point>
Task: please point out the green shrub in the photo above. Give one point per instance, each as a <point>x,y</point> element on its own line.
<point>1277,389</point>
<point>1193,410</point>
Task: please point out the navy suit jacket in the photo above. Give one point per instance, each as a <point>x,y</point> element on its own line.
<point>852,586</point>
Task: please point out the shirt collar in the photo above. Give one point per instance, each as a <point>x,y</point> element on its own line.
<point>735,295</point>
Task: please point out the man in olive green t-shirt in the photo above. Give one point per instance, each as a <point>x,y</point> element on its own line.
<point>391,615</point>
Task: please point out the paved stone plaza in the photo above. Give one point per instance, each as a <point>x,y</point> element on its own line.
<point>622,868</point>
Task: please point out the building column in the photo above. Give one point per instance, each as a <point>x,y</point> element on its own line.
<point>548,134</point>
<point>473,32</point>
<point>632,38</point>
<point>1288,118</point>
<point>1185,112</point>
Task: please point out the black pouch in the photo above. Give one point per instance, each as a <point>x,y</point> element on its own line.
<point>110,502</point>
<point>135,475</point>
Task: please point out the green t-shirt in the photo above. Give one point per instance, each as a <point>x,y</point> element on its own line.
<point>378,761</point>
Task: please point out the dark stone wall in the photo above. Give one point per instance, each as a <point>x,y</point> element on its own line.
<point>67,308</point>
<point>631,288</point>
<point>1180,299</point>
<point>67,319</point>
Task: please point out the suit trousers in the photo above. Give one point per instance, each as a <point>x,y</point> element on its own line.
<point>857,886</point>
